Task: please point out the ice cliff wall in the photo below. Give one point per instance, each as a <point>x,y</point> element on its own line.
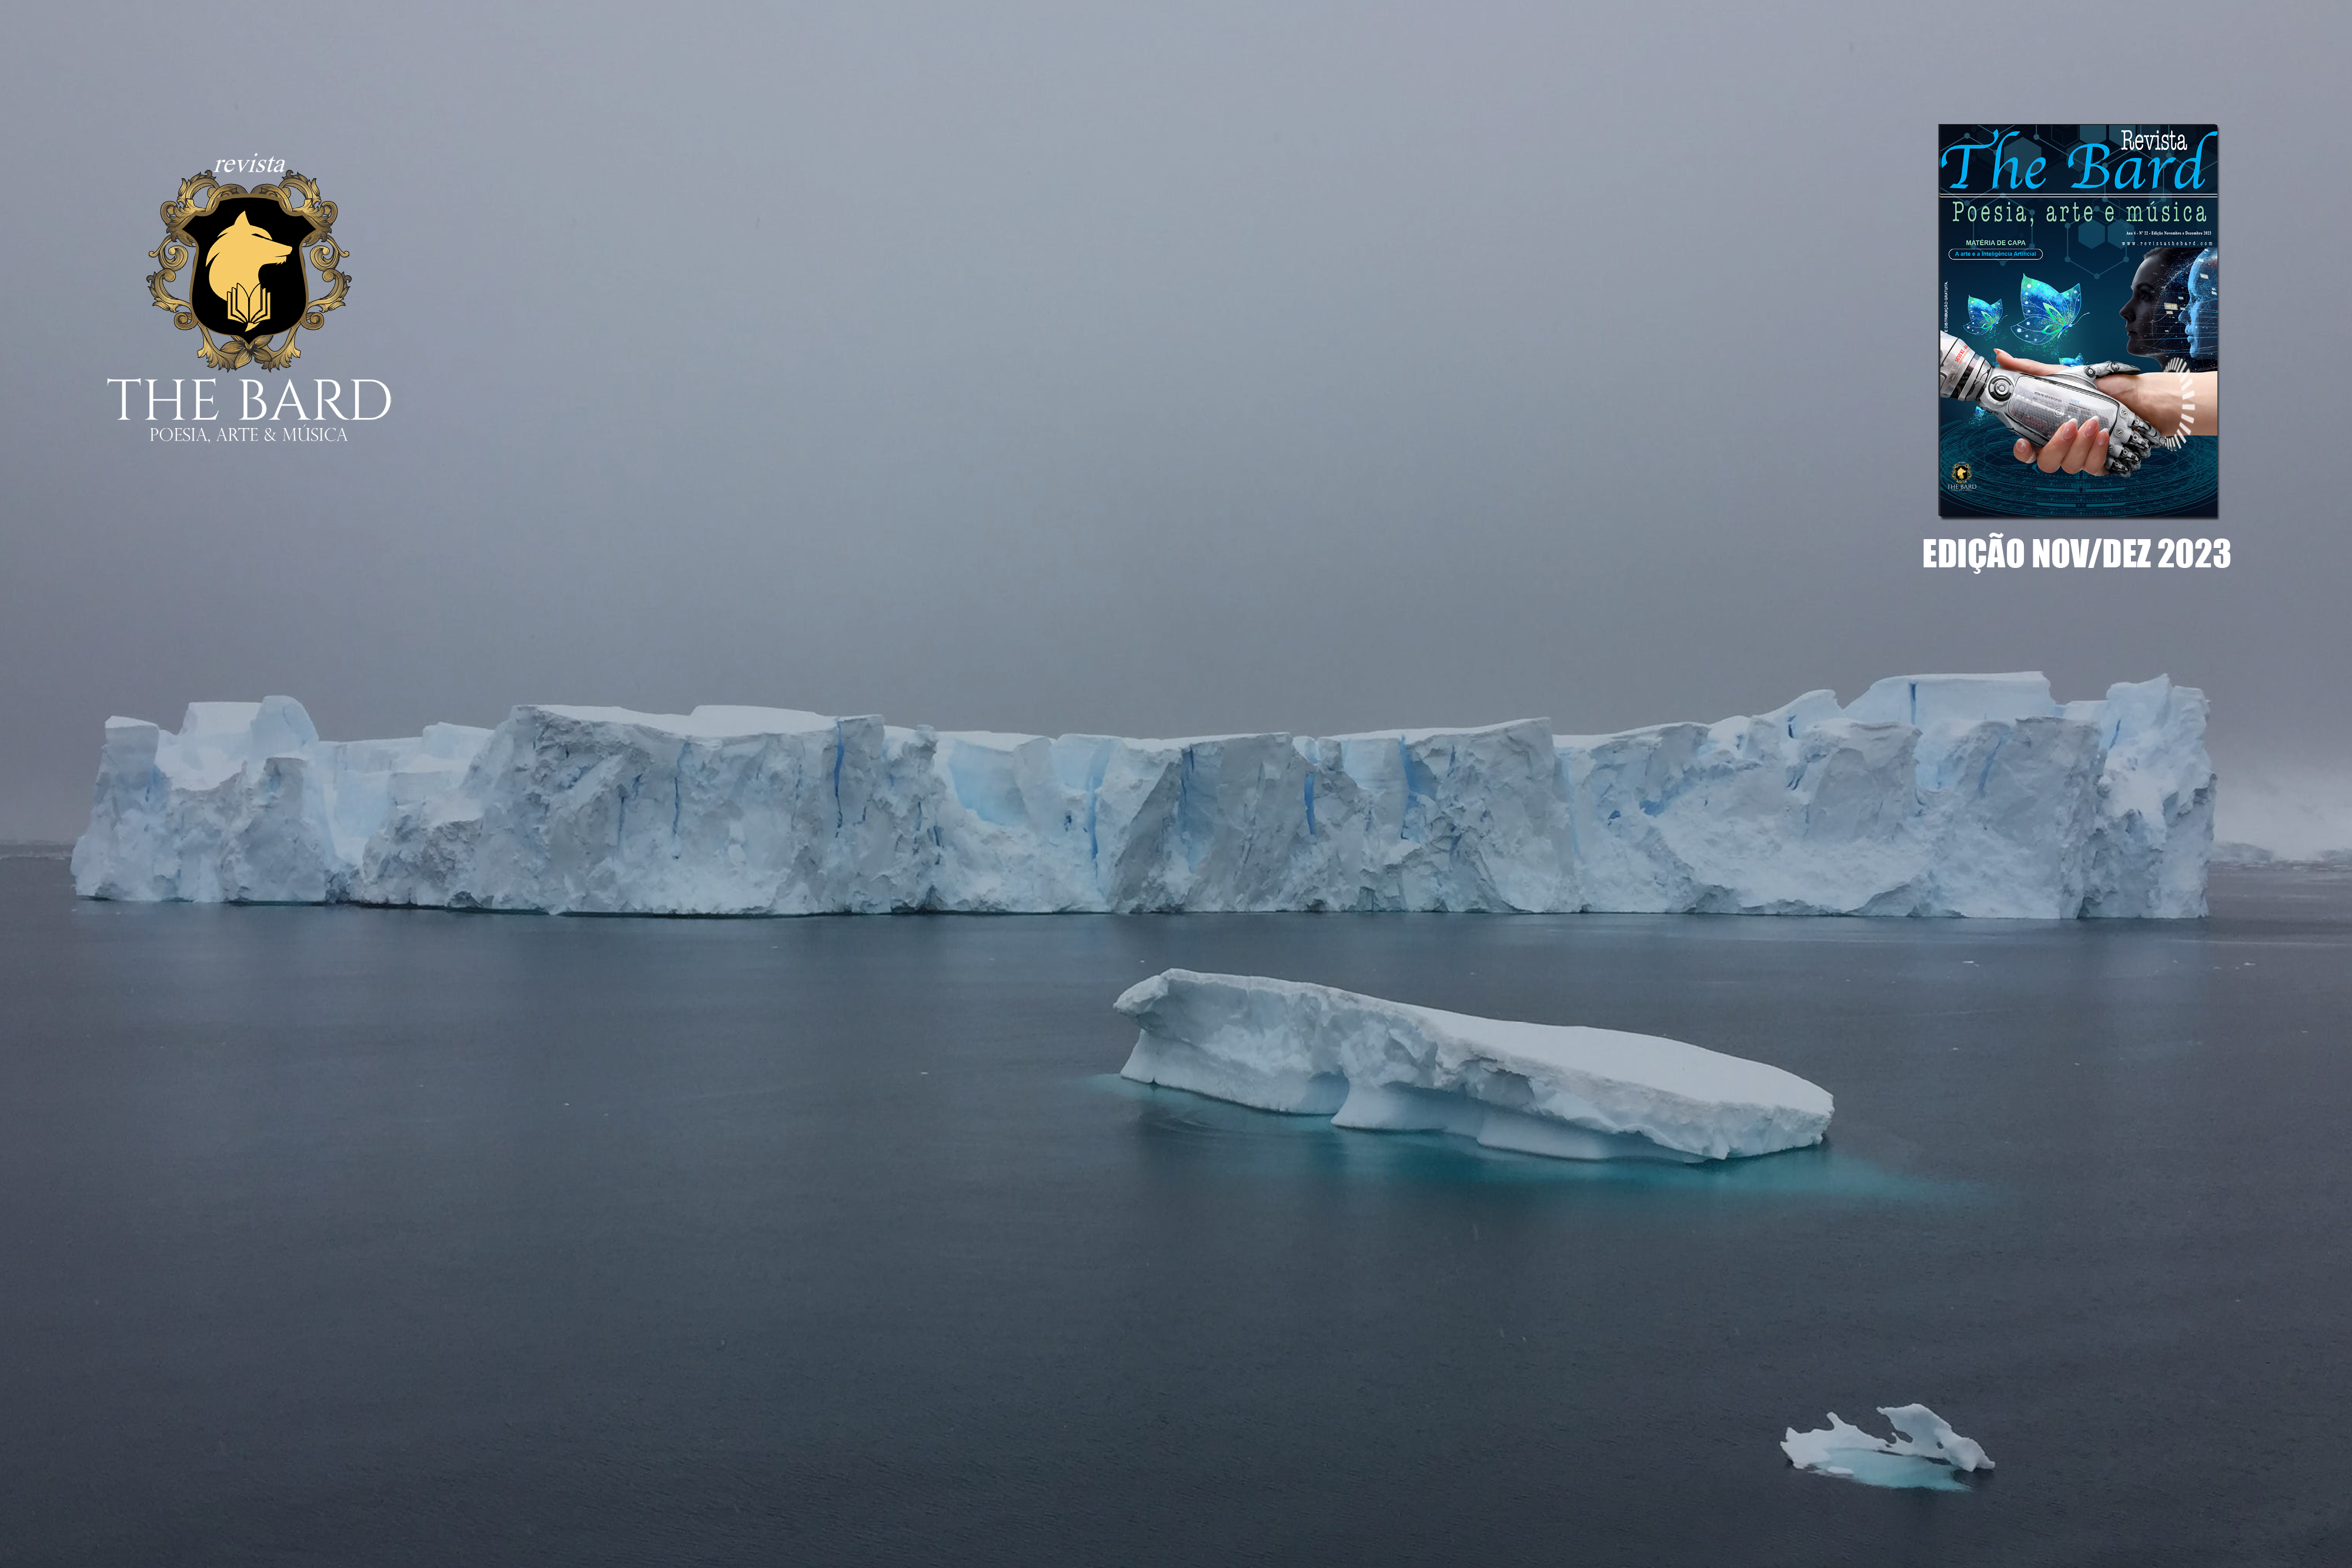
<point>1971,795</point>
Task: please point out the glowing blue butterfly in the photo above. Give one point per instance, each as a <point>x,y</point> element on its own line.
<point>2047,314</point>
<point>1984,315</point>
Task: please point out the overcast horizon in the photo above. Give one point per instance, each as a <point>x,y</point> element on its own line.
<point>1058,369</point>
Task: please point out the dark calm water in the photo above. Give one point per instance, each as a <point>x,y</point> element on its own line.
<point>341,1236</point>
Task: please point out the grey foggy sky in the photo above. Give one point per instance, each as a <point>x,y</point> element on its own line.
<point>1151,369</point>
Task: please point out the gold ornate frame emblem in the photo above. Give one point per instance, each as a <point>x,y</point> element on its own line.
<point>298,196</point>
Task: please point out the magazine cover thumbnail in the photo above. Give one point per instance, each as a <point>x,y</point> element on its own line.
<point>2079,366</point>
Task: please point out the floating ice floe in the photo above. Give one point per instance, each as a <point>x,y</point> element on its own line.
<point>1543,1088</point>
<point>1924,1452</point>
<point>1974,795</point>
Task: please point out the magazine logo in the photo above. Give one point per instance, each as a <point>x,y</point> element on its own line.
<point>248,255</point>
<point>255,270</point>
<point>2119,158</point>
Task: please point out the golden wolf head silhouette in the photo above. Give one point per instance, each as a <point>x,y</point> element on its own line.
<point>233,269</point>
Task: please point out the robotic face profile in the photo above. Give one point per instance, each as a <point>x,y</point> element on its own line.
<point>2156,316</point>
<point>2205,307</point>
<point>2035,406</point>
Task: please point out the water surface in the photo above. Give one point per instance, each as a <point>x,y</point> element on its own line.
<point>352,1236</point>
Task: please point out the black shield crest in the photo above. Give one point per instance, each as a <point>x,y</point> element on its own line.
<point>249,281</point>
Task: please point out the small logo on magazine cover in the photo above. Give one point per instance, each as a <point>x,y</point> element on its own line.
<point>1961,472</point>
<point>248,255</point>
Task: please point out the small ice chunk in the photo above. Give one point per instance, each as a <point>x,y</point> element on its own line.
<point>1924,1452</point>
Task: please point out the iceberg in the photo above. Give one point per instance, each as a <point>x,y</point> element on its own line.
<point>1973,795</point>
<point>247,804</point>
<point>1565,1091</point>
<point>1924,1452</point>
<point>1965,795</point>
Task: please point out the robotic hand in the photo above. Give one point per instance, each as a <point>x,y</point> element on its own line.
<point>2035,406</point>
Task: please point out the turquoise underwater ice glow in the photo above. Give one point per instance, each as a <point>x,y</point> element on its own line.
<point>1984,315</point>
<point>2046,315</point>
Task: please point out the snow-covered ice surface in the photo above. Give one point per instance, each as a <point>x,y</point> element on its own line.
<point>1544,1088</point>
<point>1927,795</point>
<point>1925,1451</point>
